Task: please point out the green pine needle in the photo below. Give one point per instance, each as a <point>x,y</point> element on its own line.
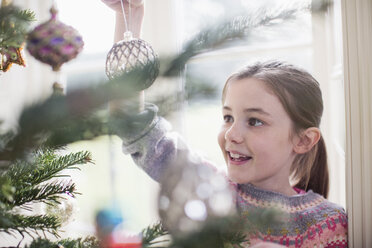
<point>48,193</point>
<point>218,233</point>
<point>30,181</point>
<point>14,24</point>
<point>44,166</point>
<point>16,223</point>
<point>88,242</point>
<point>155,236</point>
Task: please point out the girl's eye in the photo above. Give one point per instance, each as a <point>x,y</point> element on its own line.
<point>227,118</point>
<point>255,122</point>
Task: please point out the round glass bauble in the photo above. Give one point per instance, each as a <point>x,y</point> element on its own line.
<point>193,194</point>
<point>131,53</point>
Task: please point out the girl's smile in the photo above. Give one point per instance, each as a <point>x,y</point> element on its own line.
<point>237,158</point>
<point>256,138</point>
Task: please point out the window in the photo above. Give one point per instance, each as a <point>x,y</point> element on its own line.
<point>304,41</point>
<point>357,37</point>
<point>311,41</point>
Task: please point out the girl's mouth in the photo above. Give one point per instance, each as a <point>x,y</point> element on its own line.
<point>236,157</point>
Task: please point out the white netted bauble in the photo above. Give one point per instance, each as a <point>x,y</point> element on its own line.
<point>193,194</point>
<point>130,53</point>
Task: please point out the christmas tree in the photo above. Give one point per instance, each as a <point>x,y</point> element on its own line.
<point>31,162</point>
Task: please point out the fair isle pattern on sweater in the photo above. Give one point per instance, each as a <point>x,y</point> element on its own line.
<point>311,220</point>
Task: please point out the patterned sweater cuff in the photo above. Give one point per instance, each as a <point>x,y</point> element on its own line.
<point>148,137</point>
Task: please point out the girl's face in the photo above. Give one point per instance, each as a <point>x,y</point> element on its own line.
<point>255,138</point>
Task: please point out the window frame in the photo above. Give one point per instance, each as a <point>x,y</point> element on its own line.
<point>357,37</point>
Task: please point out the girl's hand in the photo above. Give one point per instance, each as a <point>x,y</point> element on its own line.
<point>116,5</point>
<point>267,245</point>
<point>134,17</point>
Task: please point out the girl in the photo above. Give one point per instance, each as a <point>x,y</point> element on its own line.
<point>274,152</point>
<point>270,139</point>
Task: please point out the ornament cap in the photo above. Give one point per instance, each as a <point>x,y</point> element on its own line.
<point>128,36</point>
<point>53,11</point>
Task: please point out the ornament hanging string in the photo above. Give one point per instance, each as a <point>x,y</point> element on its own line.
<point>54,5</point>
<point>123,57</point>
<point>126,23</point>
<point>132,52</point>
<point>111,146</point>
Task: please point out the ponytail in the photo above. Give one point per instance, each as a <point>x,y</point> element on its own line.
<point>317,178</point>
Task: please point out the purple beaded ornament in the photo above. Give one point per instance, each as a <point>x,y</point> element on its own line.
<point>54,42</point>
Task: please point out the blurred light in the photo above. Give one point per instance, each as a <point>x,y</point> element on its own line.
<point>196,210</point>
<point>219,182</point>
<point>221,203</point>
<point>204,190</point>
<point>164,202</point>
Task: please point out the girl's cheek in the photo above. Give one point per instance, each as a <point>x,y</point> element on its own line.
<point>221,137</point>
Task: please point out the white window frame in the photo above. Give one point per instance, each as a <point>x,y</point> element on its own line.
<point>357,39</point>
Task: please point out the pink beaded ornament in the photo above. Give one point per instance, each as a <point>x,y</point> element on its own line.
<point>53,42</point>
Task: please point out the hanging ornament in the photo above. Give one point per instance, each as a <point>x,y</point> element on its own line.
<point>53,42</point>
<point>107,220</point>
<point>131,53</point>
<point>10,55</point>
<point>65,210</point>
<point>109,229</point>
<point>122,239</point>
<point>192,194</point>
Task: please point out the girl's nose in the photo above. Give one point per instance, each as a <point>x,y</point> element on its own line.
<point>234,134</point>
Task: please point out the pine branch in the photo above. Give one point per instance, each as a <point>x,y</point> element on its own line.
<point>154,235</point>
<point>219,233</point>
<point>15,223</point>
<point>51,165</point>
<point>234,239</point>
<point>80,129</point>
<point>88,242</point>
<point>27,181</point>
<point>46,193</point>
<point>14,23</point>
<point>7,191</point>
<point>57,112</point>
<point>230,30</point>
<point>46,165</point>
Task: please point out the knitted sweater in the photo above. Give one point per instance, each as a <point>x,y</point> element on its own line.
<point>311,220</point>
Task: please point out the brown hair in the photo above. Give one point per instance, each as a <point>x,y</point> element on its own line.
<point>301,98</point>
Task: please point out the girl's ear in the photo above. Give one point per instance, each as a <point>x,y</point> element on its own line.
<point>306,140</point>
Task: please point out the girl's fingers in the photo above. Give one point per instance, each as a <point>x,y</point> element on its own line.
<point>117,2</point>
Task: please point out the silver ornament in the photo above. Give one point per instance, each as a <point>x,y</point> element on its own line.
<point>65,210</point>
<point>131,53</point>
<point>193,193</point>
